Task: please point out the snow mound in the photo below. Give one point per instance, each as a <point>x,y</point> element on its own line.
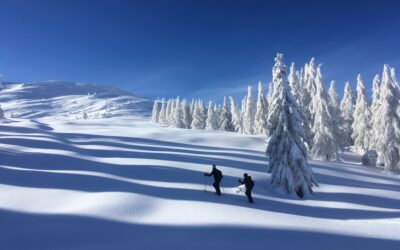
<point>69,100</point>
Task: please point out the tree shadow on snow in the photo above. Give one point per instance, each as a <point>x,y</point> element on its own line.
<point>45,231</point>
<point>92,183</point>
<point>40,170</point>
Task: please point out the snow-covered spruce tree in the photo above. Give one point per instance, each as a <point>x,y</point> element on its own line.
<point>168,112</point>
<point>187,118</point>
<point>203,112</point>
<point>388,141</point>
<point>192,105</point>
<point>306,85</point>
<point>260,125</point>
<point>177,120</point>
<point>362,118</point>
<point>286,150</point>
<point>199,117</point>
<point>84,115</point>
<point>217,111</point>
<point>347,111</point>
<point>249,112</point>
<point>162,114</point>
<point>155,116</point>
<point>270,92</point>
<point>242,110</point>
<point>324,143</point>
<point>375,111</point>
<point>236,116</point>
<point>226,118</point>
<point>394,79</point>
<point>309,91</point>
<point>334,105</point>
<point>294,82</point>
<point>300,91</point>
<point>172,121</point>
<point>211,121</point>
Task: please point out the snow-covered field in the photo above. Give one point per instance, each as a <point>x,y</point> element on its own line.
<point>124,183</point>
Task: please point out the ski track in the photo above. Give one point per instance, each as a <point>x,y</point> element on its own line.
<point>123,183</point>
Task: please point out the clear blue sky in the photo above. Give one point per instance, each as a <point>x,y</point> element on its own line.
<point>193,48</point>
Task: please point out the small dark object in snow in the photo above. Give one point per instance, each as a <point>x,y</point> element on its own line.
<point>369,158</point>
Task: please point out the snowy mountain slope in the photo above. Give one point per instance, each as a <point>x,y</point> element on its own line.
<point>66,99</point>
<point>128,184</point>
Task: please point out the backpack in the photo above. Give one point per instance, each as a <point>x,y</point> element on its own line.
<point>218,174</point>
<point>251,183</point>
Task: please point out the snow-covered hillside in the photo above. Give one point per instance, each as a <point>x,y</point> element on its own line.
<point>66,99</point>
<point>128,184</point>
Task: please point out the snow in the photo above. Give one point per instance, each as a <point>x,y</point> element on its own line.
<point>125,183</point>
<point>67,99</point>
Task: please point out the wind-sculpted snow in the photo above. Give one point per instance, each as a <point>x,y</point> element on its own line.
<point>127,184</point>
<point>69,100</point>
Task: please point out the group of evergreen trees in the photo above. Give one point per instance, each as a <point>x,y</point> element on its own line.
<point>329,125</point>
<point>251,118</point>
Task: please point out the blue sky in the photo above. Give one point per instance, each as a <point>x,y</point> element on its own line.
<point>204,49</point>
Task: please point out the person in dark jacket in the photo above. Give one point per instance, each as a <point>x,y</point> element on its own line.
<point>249,184</point>
<point>217,174</point>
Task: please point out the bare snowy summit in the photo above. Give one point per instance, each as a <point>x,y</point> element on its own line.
<point>70,100</point>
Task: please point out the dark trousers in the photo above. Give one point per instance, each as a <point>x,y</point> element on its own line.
<point>248,194</point>
<point>216,186</point>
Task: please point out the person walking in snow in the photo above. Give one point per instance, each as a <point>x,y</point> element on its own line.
<point>249,184</point>
<point>217,174</point>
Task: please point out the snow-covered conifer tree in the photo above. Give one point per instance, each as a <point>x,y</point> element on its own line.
<point>226,118</point>
<point>187,118</point>
<point>177,120</point>
<point>242,109</point>
<point>249,112</point>
<point>162,115</point>
<point>286,150</point>
<point>362,117</point>
<point>310,91</point>
<point>375,111</point>
<point>393,76</point>
<point>300,90</point>
<point>155,114</point>
<point>198,119</point>
<point>172,121</point>
<point>334,104</point>
<point>192,105</point>
<point>270,93</point>
<point>84,115</point>
<point>324,145</point>
<point>217,111</point>
<point>211,121</point>
<point>388,141</point>
<point>306,91</point>
<point>294,82</point>
<point>168,112</point>
<point>236,116</point>
<point>347,112</point>
<point>260,125</point>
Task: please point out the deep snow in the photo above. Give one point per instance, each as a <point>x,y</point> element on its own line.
<point>123,183</point>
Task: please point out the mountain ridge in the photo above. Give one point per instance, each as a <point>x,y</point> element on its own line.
<point>70,100</point>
